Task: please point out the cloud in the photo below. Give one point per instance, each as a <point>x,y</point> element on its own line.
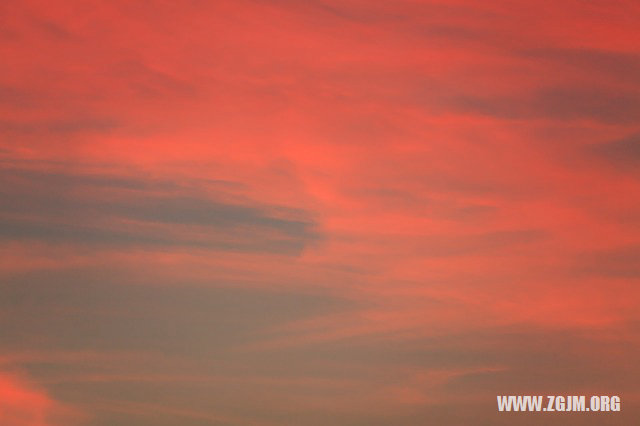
<point>620,66</point>
<point>623,154</point>
<point>58,127</point>
<point>602,104</point>
<point>23,405</point>
<point>62,207</point>
<point>102,310</point>
<point>619,262</point>
<point>318,212</point>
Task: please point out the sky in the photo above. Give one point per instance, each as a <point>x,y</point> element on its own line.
<point>318,212</point>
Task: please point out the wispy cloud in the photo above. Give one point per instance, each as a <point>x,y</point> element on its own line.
<point>318,212</point>
<point>22,404</point>
<point>84,209</point>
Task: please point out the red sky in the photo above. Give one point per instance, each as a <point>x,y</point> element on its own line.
<point>268,212</point>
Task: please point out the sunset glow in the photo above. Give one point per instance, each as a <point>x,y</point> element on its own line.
<point>313,213</point>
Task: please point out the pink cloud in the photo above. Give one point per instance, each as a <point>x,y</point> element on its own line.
<point>23,404</point>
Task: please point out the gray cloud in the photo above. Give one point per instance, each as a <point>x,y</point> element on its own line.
<point>91,309</point>
<point>621,262</point>
<point>128,211</point>
<point>528,362</point>
<point>621,66</point>
<point>603,104</point>
<point>49,127</point>
<point>623,153</point>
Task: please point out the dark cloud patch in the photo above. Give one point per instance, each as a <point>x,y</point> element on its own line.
<point>621,66</point>
<point>198,324</point>
<point>511,358</point>
<point>607,105</point>
<point>70,180</point>
<point>535,359</point>
<point>621,262</point>
<point>100,125</point>
<point>622,153</point>
<point>16,96</point>
<point>126,211</point>
<point>91,309</point>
